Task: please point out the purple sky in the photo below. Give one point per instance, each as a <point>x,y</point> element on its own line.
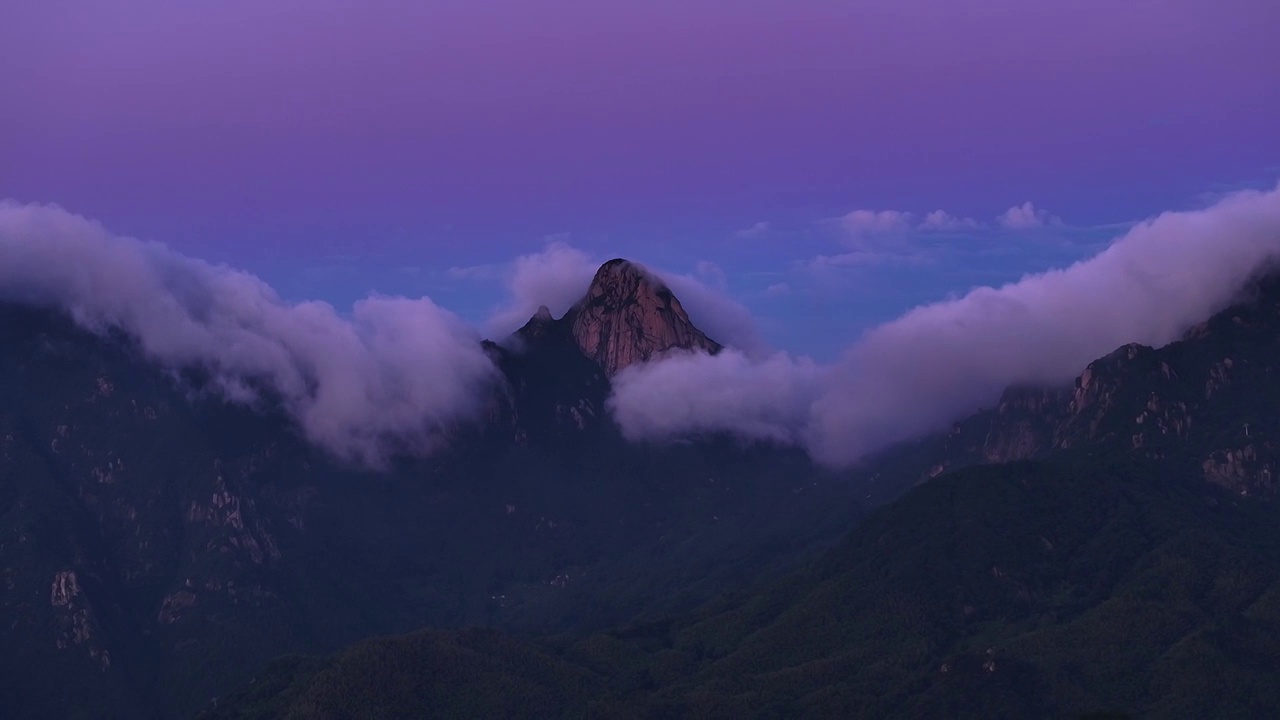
<point>330,145</point>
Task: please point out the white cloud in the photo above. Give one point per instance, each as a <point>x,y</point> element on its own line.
<point>711,273</point>
<point>396,374</point>
<point>755,232</point>
<point>556,276</point>
<point>713,311</point>
<point>1025,217</point>
<point>942,221</point>
<point>879,237</point>
<point>474,272</point>
<point>909,255</point>
<point>942,361</point>
<point>865,227</point>
<point>702,393</point>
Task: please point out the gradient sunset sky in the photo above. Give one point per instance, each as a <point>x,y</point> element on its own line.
<point>790,153</point>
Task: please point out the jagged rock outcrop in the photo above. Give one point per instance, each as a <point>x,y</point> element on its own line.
<point>77,625</point>
<point>1023,425</point>
<point>1206,400</point>
<point>629,316</point>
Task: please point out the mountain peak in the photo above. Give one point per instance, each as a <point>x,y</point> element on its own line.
<point>629,316</point>
<point>620,271</point>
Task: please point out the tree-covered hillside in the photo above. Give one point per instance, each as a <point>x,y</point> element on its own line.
<point>1091,584</point>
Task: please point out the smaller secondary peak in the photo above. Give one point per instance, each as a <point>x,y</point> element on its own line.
<point>541,327</point>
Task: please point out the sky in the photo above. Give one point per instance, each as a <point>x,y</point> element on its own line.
<point>826,165</point>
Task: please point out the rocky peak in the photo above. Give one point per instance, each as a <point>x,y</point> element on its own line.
<point>542,327</point>
<point>1206,400</point>
<point>629,316</point>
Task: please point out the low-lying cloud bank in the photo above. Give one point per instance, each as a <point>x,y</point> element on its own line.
<point>941,361</point>
<point>394,375</point>
<point>397,372</point>
<point>767,399</point>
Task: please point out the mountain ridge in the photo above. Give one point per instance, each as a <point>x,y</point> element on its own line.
<point>170,534</point>
<point>158,543</point>
<point>1147,400</point>
<point>1104,548</point>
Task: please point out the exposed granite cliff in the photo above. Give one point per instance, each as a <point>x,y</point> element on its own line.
<point>558,370</point>
<point>629,316</point>
<point>1207,399</point>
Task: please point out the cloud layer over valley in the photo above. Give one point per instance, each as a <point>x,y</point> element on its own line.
<point>395,373</point>
<point>941,361</point>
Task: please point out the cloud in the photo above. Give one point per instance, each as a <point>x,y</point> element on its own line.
<point>909,255</point>
<point>715,313</point>
<point>942,221</point>
<point>1025,217</point>
<point>942,361</point>
<point>778,290</point>
<point>865,227</point>
<point>475,272</point>
<point>556,276</point>
<point>755,232</point>
<point>394,375</point>
<point>398,373</point>
<point>702,393</point>
<point>711,273</point>
<point>883,237</point>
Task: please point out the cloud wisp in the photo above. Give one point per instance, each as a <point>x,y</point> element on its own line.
<point>891,237</point>
<point>943,221</point>
<point>556,276</point>
<point>755,232</point>
<point>393,376</point>
<point>941,361</point>
<point>1026,217</point>
<point>869,230</point>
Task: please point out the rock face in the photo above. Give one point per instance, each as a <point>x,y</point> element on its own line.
<point>558,370</point>
<point>158,545</point>
<point>1206,400</point>
<point>629,316</point>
